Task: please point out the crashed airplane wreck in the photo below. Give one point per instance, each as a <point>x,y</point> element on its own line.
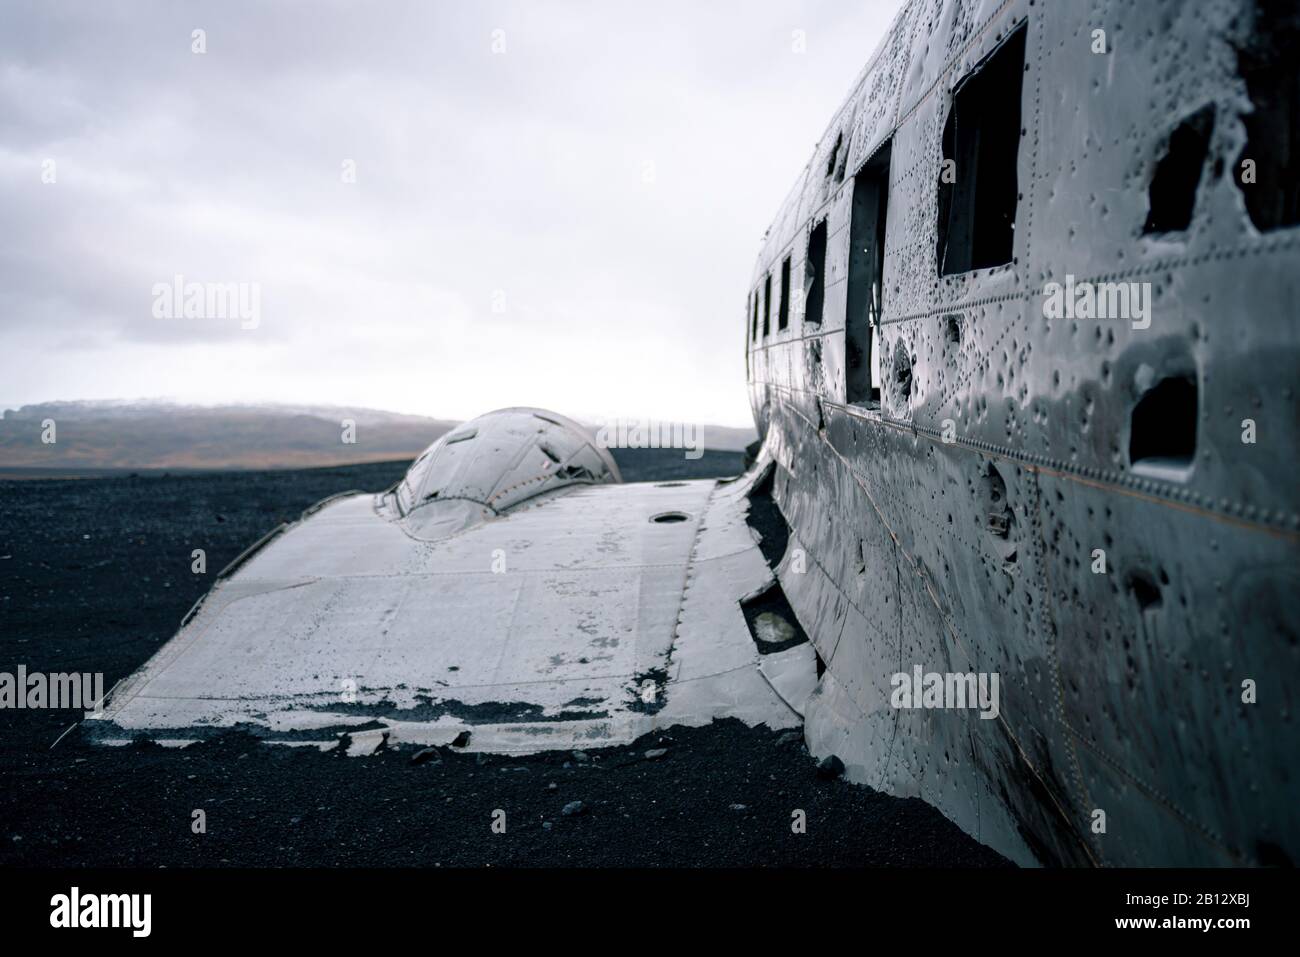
<point>1021,534</point>
<point>509,594</point>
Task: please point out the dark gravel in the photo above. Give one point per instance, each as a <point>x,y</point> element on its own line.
<point>95,576</point>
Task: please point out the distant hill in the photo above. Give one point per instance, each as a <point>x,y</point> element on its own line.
<point>92,437</point>
<point>156,435</point>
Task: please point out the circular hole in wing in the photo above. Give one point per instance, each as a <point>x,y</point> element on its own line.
<point>668,518</point>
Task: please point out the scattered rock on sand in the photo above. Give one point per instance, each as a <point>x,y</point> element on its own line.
<point>425,754</point>
<point>830,767</point>
<point>790,739</point>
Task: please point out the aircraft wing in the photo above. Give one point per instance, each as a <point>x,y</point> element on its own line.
<point>584,613</point>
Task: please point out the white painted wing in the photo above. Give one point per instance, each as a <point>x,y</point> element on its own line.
<point>576,619</point>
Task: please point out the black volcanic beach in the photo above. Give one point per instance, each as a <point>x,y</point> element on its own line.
<point>95,576</point>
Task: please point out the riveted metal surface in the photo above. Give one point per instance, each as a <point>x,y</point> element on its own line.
<point>493,463</point>
<point>598,626</point>
<point>956,525</point>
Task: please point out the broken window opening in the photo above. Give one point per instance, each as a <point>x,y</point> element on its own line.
<point>1162,432</point>
<point>832,164</point>
<point>952,330</point>
<point>765,517</point>
<point>773,625</point>
<point>1268,64</point>
<point>1178,174</point>
<point>998,517</point>
<point>868,218</point>
<point>977,181</point>
<point>1145,591</point>
<point>902,372</point>
<point>767,305</point>
<point>754,333</point>
<point>783,311</point>
<point>814,273</point>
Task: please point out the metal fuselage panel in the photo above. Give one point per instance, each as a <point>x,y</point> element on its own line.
<point>955,521</point>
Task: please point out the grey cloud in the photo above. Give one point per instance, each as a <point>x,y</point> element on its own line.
<point>481,178</point>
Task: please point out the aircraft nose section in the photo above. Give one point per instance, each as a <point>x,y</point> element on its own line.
<point>490,464</point>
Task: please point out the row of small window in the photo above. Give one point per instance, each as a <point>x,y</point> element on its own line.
<point>812,297</point>
<point>977,205</point>
<point>978,189</point>
<point>815,264</point>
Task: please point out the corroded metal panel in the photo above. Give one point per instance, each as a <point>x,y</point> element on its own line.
<point>1098,508</point>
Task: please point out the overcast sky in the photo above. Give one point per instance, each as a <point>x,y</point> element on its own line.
<point>555,204</point>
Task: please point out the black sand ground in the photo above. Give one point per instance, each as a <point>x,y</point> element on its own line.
<point>95,576</point>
